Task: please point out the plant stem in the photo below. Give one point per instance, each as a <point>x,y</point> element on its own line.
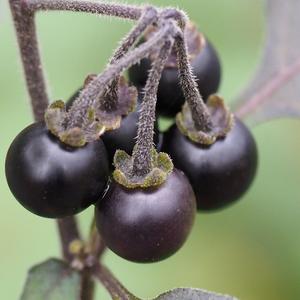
<point>96,243</point>
<point>148,17</point>
<point>93,7</point>
<point>176,14</point>
<point>109,101</point>
<point>89,94</point>
<point>111,283</point>
<point>35,82</point>
<point>200,114</point>
<point>27,40</point>
<point>68,231</point>
<point>142,152</point>
<point>161,42</point>
<point>87,285</point>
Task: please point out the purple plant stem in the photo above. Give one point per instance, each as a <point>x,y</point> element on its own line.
<point>200,114</point>
<point>27,40</point>
<point>68,232</point>
<point>89,94</point>
<point>111,283</point>
<point>142,151</point>
<point>93,7</point>
<point>109,101</point>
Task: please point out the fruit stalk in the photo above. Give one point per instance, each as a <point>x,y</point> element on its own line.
<point>109,101</point>
<point>88,96</point>
<point>176,14</point>
<point>23,15</point>
<point>142,152</point>
<point>200,114</point>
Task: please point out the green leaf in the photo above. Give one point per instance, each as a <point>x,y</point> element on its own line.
<point>192,294</point>
<point>52,280</point>
<point>274,92</point>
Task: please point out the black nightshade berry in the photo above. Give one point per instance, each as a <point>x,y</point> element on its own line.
<point>147,225</point>
<point>52,179</point>
<point>219,174</point>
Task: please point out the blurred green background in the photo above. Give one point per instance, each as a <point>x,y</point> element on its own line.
<point>250,250</point>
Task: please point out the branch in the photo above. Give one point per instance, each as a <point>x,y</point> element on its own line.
<point>111,283</point>
<point>93,7</point>
<point>23,12</point>
<point>27,40</point>
<point>87,286</point>
<point>88,96</point>
<point>68,231</point>
<point>109,101</point>
<point>96,244</point>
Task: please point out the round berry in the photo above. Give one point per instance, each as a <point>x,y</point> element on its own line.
<point>52,179</point>
<point>147,225</point>
<point>206,69</point>
<point>219,174</point>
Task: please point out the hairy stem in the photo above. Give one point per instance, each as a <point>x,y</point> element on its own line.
<point>29,51</point>
<point>200,114</point>
<point>89,94</point>
<point>93,7</point>
<point>111,283</point>
<point>68,231</point>
<point>148,17</point>
<point>176,14</point>
<point>27,40</point>
<point>110,99</point>
<point>142,151</point>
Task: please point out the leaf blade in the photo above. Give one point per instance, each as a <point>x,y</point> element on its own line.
<point>52,280</point>
<point>274,92</point>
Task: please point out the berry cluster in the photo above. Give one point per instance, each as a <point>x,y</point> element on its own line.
<point>145,203</point>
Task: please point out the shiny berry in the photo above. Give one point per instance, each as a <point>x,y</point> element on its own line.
<point>147,225</point>
<point>219,174</point>
<point>52,179</point>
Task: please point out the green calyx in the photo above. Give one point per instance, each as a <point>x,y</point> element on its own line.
<point>221,117</point>
<point>76,137</point>
<point>162,166</point>
<point>95,122</point>
<point>127,100</point>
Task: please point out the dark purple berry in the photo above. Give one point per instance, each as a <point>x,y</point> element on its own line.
<point>52,179</point>
<point>221,173</point>
<point>147,225</point>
